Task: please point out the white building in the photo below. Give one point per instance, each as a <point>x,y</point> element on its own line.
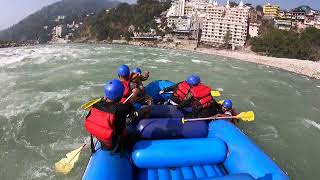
<point>58,31</point>
<point>222,19</point>
<point>179,23</point>
<point>254,29</point>
<point>179,7</point>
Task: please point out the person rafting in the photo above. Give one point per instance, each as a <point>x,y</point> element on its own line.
<point>199,98</point>
<point>107,119</point>
<point>137,82</point>
<point>180,91</point>
<point>124,77</point>
<point>227,110</point>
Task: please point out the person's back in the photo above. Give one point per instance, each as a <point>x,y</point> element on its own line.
<point>107,119</point>
<point>180,91</point>
<point>199,98</point>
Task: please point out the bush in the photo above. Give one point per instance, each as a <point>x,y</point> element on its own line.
<point>289,44</point>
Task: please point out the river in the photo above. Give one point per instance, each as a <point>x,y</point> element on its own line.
<point>43,87</point>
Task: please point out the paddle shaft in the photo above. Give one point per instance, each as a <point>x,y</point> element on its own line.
<point>128,98</point>
<point>209,118</point>
<point>84,145</point>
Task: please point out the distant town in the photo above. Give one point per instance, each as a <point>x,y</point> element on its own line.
<point>205,21</point>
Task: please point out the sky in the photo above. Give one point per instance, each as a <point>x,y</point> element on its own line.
<point>12,11</point>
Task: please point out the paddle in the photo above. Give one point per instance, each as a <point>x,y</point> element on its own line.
<point>244,116</point>
<point>88,105</point>
<point>213,93</point>
<point>65,165</point>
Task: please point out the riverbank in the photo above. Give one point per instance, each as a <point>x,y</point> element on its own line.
<point>304,67</point>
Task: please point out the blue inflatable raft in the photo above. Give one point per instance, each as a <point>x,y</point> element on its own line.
<point>173,151</point>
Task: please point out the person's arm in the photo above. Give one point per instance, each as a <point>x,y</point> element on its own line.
<point>186,102</point>
<point>171,88</point>
<point>145,76</point>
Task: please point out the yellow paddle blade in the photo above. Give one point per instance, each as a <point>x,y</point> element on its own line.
<point>246,116</point>
<point>87,106</point>
<point>183,121</point>
<point>66,164</point>
<point>221,102</point>
<point>215,93</point>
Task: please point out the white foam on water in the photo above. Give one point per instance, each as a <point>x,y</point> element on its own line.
<point>152,67</point>
<point>311,123</point>
<point>252,103</point>
<point>4,61</point>
<point>236,67</point>
<point>316,109</point>
<point>163,60</point>
<point>197,61</point>
<point>318,86</point>
<point>79,72</point>
<point>272,132</point>
<point>220,89</point>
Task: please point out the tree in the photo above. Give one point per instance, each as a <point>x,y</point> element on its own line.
<point>289,44</point>
<point>259,8</point>
<point>227,38</point>
<point>233,4</point>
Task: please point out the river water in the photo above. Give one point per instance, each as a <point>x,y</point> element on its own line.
<point>43,87</point>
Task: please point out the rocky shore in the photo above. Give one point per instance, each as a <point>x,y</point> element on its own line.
<point>304,67</point>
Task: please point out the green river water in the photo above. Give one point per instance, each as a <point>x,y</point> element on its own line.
<point>43,87</point>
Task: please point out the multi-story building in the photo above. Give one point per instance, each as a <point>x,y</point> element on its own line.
<point>271,11</point>
<point>179,23</point>
<point>179,6</point>
<point>222,20</point>
<point>283,24</point>
<point>254,29</point>
<point>317,21</point>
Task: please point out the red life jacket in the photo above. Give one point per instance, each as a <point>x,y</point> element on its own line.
<point>182,91</point>
<point>101,125</point>
<point>202,96</point>
<point>127,90</point>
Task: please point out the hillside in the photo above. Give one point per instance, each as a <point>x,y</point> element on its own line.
<point>115,24</point>
<point>31,28</point>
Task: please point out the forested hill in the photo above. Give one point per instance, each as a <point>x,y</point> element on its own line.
<point>116,23</point>
<point>31,28</point>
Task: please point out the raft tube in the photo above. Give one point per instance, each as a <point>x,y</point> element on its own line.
<point>104,164</point>
<point>179,153</point>
<point>244,156</point>
<point>171,128</point>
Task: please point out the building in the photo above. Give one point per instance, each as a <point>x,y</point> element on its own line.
<point>58,31</point>
<point>283,24</point>
<point>317,21</point>
<point>222,20</point>
<point>179,6</point>
<point>254,29</point>
<point>271,11</point>
<point>179,23</point>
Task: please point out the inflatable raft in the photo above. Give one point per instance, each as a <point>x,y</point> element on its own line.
<point>171,150</point>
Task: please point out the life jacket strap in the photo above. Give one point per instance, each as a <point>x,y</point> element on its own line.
<point>93,149</point>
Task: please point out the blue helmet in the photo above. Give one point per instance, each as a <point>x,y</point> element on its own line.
<point>123,71</point>
<point>137,70</point>
<point>227,104</point>
<point>193,80</point>
<point>113,90</point>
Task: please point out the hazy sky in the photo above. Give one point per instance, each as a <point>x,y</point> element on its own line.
<point>12,11</point>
